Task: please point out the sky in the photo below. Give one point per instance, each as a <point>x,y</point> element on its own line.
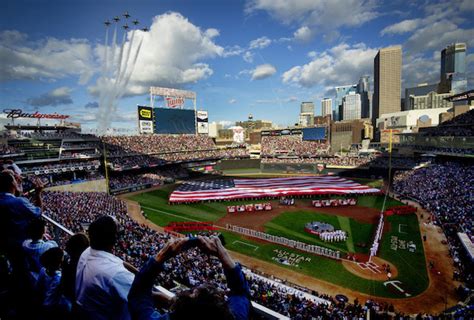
<point>259,57</point>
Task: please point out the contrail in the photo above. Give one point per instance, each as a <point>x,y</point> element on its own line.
<point>104,68</point>
<point>127,79</point>
<point>120,60</point>
<point>118,65</point>
<point>127,56</point>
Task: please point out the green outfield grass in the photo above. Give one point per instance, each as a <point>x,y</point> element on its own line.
<point>411,266</point>
<point>291,225</point>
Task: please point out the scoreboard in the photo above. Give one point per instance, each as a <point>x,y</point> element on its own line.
<point>171,121</point>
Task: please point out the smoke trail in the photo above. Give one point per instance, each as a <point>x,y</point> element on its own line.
<point>104,68</point>
<point>127,56</point>
<point>119,72</point>
<point>106,108</point>
<point>127,79</point>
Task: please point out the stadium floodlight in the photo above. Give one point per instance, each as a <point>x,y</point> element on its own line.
<point>118,63</point>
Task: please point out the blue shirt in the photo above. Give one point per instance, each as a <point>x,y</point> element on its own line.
<point>15,215</point>
<point>49,290</point>
<point>33,251</point>
<point>140,298</point>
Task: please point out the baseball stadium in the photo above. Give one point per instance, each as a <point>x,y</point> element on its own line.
<point>316,232</point>
<point>150,202</point>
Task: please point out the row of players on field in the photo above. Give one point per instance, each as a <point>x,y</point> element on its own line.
<point>250,207</point>
<point>290,201</point>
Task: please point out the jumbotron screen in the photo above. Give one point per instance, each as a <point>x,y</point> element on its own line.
<point>314,133</point>
<point>174,121</point>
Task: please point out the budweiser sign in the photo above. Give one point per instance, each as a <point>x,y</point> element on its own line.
<point>174,102</point>
<point>18,113</point>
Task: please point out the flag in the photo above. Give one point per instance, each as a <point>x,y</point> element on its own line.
<point>229,189</point>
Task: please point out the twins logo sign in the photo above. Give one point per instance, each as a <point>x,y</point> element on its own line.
<point>174,102</point>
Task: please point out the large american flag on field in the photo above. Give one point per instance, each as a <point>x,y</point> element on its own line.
<point>228,189</point>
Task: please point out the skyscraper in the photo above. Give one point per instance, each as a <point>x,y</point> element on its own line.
<point>326,107</point>
<point>363,88</point>
<point>340,93</point>
<point>351,106</point>
<point>306,114</point>
<point>387,81</point>
<point>453,69</point>
<point>307,107</point>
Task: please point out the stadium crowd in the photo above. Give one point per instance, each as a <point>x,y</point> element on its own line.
<point>80,145</point>
<point>6,150</point>
<point>155,144</point>
<point>348,161</point>
<point>145,161</point>
<point>155,177</point>
<point>460,126</point>
<point>292,144</point>
<point>79,154</point>
<point>191,268</point>
<point>331,161</point>
<point>445,190</point>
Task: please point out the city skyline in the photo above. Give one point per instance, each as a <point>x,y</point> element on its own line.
<point>240,57</point>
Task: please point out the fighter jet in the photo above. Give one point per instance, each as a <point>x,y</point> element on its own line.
<point>117,19</point>
<point>145,29</point>
<point>135,22</point>
<point>126,15</point>
<point>125,27</point>
<point>107,23</point>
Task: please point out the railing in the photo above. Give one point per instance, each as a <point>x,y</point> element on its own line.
<point>262,311</point>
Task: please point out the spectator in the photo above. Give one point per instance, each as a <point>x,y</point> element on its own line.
<point>17,213</point>
<point>200,303</point>
<point>53,302</point>
<point>102,281</point>
<point>35,246</point>
<point>75,246</point>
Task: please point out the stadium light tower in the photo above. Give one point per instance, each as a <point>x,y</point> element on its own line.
<point>118,63</point>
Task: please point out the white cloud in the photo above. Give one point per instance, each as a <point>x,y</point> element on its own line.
<point>248,56</point>
<point>260,43</point>
<point>312,54</point>
<point>50,59</point>
<point>172,54</point>
<point>401,27</point>
<point>211,33</point>
<point>303,34</point>
<point>263,71</point>
<point>342,64</point>
<point>56,97</point>
<point>467,5</point>
<point>419,69</point>
<point>233,51</point>
<point>437,35</point>
<point>318,15</point>
<point>232,101</point>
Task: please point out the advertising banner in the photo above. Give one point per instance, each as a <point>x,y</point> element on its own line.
<point>145,120</point>
<point>202,122</point>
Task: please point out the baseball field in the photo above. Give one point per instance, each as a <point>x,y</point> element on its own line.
<point>401,245</point>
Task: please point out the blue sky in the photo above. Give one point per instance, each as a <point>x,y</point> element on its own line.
<point>257,56</point>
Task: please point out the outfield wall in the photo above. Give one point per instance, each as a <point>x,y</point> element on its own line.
<point>238,164</point>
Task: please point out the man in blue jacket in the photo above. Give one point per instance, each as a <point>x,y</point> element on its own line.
<point>201,303</point>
